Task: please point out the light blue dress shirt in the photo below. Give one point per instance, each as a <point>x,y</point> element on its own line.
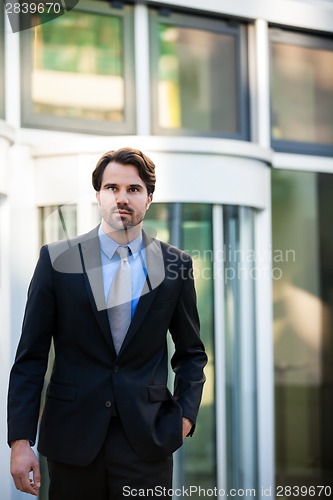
<point>111,261</point>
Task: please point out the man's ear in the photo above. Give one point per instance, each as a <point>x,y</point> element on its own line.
<point>150,199</point>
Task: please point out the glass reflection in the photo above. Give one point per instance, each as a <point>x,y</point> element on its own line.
<point>78,67</point>
<point>189,226</point>
<point>302,208</point>
<point>197,86</point>
<point>302,94</point>
<point>240,347</point>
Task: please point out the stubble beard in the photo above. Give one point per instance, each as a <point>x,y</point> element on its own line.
<point>119,222</point>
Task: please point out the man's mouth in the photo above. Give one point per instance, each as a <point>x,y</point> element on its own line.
<point>121,211</point>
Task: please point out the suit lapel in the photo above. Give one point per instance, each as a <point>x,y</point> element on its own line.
<point>92,265</point>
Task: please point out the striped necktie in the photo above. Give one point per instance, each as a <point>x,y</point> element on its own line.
<point>119,299</point>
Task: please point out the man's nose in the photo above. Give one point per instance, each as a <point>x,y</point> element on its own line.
<point>121,196</point>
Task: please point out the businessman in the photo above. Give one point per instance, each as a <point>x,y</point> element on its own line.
<point>107,299</point>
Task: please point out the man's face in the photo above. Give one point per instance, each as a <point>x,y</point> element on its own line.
<point>123,198</point>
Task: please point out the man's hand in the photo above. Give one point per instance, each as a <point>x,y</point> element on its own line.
<point>23,461</point>
<point>187,426</point>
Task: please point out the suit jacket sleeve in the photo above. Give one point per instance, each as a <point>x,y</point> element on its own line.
<point>27,374</point>
<point>189,358</point>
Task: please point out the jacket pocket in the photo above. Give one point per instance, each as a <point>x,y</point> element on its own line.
<point>158,393</point>
<point>61,391</point>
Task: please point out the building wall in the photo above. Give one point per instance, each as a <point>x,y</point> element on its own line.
<point>42,167</point>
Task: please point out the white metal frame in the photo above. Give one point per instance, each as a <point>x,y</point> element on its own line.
<point>265,354</point>
<point>219,342</point>
<point>315,15</point>
<point>142,73</point>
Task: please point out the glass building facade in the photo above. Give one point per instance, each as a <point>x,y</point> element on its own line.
<point>303,327</point>
<point>233,101</point>
<point>190,227</point>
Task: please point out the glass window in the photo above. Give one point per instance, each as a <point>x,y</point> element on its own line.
<point>303,343</point>
<point>77,71</point>
<point>240,274</point>
<point>57,223</point>
<point>199,77</point>
<point>302,93</point>
<point>189,226</point>
<point>2,63</point>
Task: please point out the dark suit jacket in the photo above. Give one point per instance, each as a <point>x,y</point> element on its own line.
<point>66,303</point>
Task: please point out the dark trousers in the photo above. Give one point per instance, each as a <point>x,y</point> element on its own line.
<point>116,473</point>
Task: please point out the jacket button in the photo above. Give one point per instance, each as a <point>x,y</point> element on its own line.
<point>108,404</point>
<point>116,369</point>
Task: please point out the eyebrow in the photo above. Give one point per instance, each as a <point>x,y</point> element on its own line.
<point>113,184</point>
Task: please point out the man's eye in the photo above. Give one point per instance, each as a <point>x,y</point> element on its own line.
<point>134,190</point>
<point>111,188</point>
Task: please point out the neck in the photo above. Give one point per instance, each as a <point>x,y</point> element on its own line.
<point>122,236</point>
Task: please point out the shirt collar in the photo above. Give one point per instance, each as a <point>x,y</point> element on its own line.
<point>109,246</point>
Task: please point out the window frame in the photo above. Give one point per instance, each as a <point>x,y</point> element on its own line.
<point>307,40</point>
<point>235,28</point>
<point>31,119</point>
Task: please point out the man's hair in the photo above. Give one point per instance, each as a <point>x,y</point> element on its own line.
<point>126,156</point>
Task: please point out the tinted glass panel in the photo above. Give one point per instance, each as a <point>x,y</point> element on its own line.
<point>302,91</point>
<point>303,342</point>
<point>77,70</point>
<point>189,226</point>
<point>240,348</point>
<point>56,223</point>
<point>197,77</point>
<point>194,90</point>
<point>78,67</point>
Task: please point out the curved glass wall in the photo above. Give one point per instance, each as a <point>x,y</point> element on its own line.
<point>240,274</point>
<point>191,227</point>
<point>232,263</point>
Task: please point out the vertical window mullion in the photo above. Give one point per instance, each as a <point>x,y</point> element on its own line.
<point>220,348</point>
<point>142,75</point>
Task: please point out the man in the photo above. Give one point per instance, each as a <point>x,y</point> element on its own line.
<point>110,425</point>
